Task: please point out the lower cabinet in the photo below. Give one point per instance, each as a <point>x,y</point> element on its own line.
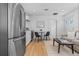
<point>28,37</point>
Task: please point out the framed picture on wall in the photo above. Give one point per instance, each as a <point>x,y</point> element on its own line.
<point>69,22</point>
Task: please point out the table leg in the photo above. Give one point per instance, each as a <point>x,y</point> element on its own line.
<point>46,37</point>
<point>53,42</point>
<point>41,35</point>
<point>31,40</point>
<point>58,48</point>
<point>72,49</point>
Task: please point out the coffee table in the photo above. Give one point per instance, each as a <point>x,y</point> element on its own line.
<point>63,42</point>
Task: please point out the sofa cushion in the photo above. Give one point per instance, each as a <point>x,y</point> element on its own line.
<point>71,35</point>
<point>75,41</point>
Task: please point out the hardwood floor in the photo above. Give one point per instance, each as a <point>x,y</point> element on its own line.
<point>46,48</point>
<point>36,48</point>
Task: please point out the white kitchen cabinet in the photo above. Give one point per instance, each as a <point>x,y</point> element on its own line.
<point>28,37</point>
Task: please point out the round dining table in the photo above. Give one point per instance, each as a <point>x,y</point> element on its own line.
<point>42,34</point>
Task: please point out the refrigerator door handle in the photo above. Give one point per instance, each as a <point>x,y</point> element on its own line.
<point>18,45</point>
<point>19,38</point>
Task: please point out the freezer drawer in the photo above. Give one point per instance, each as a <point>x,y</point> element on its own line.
<point>20,46</point>
<point>17,47</point>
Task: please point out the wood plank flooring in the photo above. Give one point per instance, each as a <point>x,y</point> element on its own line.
<point>36,48</point>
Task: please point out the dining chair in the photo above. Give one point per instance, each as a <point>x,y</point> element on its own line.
<point>47,35</point>
<point>37,35</point>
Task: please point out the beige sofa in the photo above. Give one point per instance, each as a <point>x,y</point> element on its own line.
<point>74,38</point>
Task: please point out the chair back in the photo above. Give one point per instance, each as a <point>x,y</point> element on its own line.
<point>32,34</point>
<point>36,34</point>
<point>48,33</point>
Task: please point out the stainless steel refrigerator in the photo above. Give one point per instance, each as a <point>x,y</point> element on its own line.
<point>16,30</point>
<point>3,29</point>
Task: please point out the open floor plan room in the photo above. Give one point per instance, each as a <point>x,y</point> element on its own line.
<point>39,29</point>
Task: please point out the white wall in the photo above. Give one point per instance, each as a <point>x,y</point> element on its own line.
<point>71,20</point>
<point>50,24</point>
<point>60,26</point>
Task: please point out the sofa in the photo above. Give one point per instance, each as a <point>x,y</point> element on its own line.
<point>74,38</point>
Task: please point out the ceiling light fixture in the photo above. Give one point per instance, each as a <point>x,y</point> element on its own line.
<point>55,13</point>
<point>46,9</point>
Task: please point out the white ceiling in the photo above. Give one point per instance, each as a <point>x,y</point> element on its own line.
<point>37,9</point>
